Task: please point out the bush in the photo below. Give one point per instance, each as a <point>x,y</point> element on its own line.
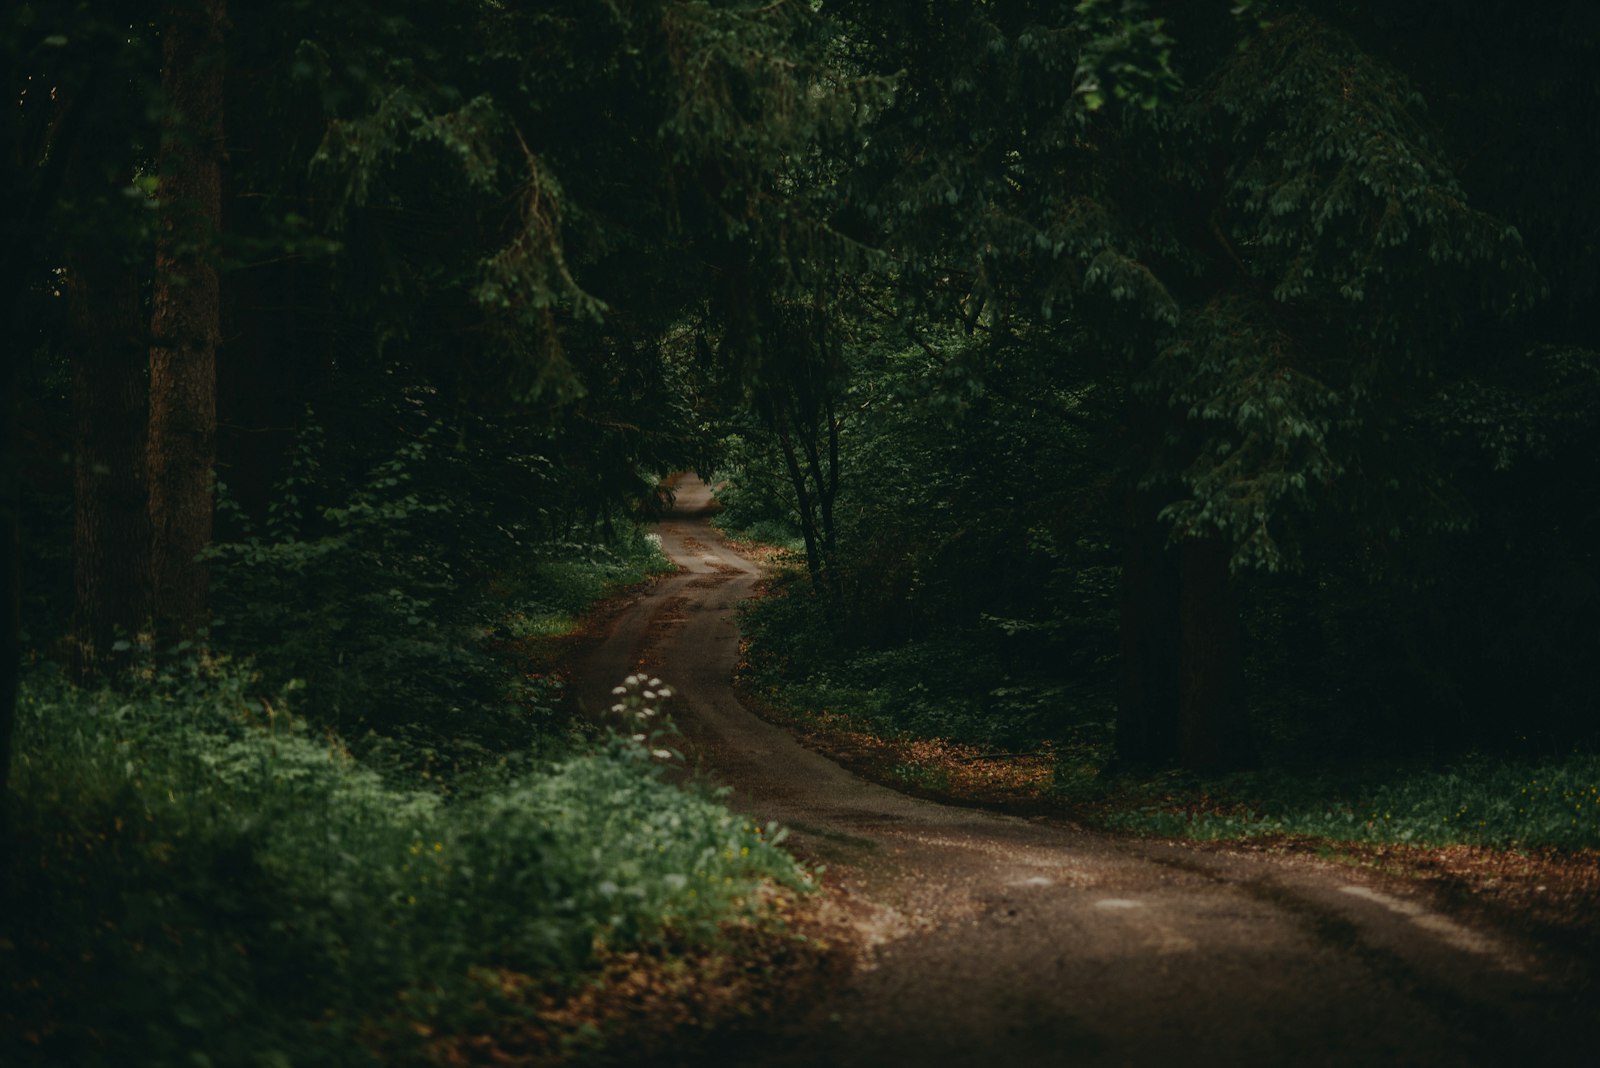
<point>391,599</point>
<point>198,876</point>
<point>1482,801</point>
<point>961,685</point>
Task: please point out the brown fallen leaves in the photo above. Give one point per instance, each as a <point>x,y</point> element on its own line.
<point>929,767</point>
<point>642,1006</point>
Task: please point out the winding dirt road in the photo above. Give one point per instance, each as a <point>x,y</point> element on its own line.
<point>995,940</point>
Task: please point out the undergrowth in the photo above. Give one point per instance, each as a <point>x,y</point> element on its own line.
<point>1480,800</point>
<point>956,687</point>
<point>198,877</point>
<point>392,588</point>
<point>969,686</point>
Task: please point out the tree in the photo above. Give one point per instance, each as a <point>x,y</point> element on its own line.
<point>1269,267</point>
<point>73,76</point>
<point>111,528</point>
<point>10,579</point>
<point>185,325</point>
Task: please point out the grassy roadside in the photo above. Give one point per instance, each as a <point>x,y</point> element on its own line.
<point>197,874</point>
<point>1518,837</point>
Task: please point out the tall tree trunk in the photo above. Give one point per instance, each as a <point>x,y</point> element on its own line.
<point>10,579</point>
<point>1149,626</point>
<point>37,169</point>
<point>186,321</point>
<point>1211,691</point>
<point>264,372</point>
<point>111,528</point>
<point>1147,706</point>
<point>806,509</point>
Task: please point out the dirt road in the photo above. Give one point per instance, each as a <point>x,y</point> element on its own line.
<point>994,940</point>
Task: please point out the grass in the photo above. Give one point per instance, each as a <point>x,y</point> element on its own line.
<point>550,594</point>
<point>1480,800</point>
<point>771,533</point>
<point>930,716</point>
<point>956,687</point>
<point>199,876</point>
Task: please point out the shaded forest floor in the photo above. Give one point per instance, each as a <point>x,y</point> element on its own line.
<point>1549,894</point>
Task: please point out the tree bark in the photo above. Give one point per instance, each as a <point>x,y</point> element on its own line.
<point>111,525</point>
<point>186,320</point>
<point>10,580</point>
<point>28,213</point>
<point>805,508</point>
<point>1211,694</point>
<point>1147,707</point>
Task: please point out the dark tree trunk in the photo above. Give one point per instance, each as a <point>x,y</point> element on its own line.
<point>806,509</point>
<point>37,172</point>
<point>111,529</point>
<point>264,372</point>
<point>1211,696</point>
<point>1147,709</point>
<point>185,324</point>
<point>10,580</point>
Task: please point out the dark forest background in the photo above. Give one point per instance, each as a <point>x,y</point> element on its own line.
<point>1162,385</point>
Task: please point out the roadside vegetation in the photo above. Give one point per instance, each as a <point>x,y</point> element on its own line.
<point>361,822</point>
<point>199,875</point>
<point>1022,714</point>
<point>937,717</point>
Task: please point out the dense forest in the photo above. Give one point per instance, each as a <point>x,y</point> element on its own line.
<point>1180,389</point>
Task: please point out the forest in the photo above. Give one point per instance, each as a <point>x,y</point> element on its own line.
<point>1195,400</point>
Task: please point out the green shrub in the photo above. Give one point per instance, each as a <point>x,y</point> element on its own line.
<point>199,877</point>
<point>1480,801</point>
<point>754,494</point>
<point>557,582</point>
<point>390,597</point>
<point>959,685</point>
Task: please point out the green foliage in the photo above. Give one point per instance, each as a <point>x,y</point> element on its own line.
<point>562,579</point>
<point>1128,56</point>
<point>1480,801</point>
<point>197,874</point>
<point>390,590</point>
<point>976,685</point>
<point>756,500</point>
<point>979,585</point>
<point>1268,311</point>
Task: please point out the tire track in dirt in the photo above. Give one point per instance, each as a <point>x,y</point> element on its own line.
<point>986,939</point>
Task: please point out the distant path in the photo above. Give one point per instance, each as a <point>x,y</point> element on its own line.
<point>999,941</point>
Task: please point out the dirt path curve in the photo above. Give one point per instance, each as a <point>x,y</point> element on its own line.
<point>995,940</point>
